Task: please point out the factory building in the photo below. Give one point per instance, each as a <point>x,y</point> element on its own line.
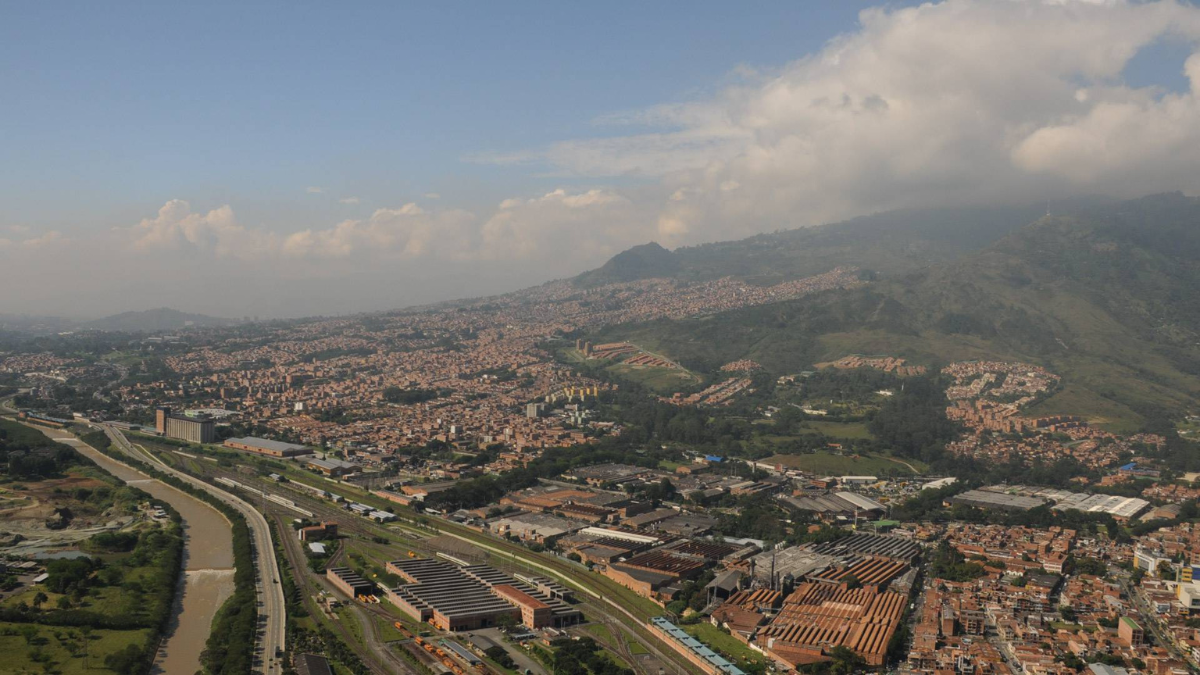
<point>265,446</point>
<point>817,617</point>
<point>692,649</point>
<point>318,532</point>
<point>192,430</point>
<point>455,598</point>
<point>986,499</point>
<point>347,581</point>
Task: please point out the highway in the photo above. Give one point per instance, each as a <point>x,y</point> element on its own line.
<point>272,614</point>
<point>594,588</point>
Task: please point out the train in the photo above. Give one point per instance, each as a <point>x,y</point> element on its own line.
<point>282,501</point>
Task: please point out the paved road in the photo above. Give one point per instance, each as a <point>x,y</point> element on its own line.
<point>372,649</point>
<point>270,592</point>
<point>567,573</point>
<point>207,559</point>
<point>1149,619</point>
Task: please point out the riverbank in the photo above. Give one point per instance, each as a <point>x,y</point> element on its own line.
<point>208,576</point>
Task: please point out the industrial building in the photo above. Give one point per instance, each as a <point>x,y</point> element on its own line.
<point>348,581</point>
<point>192,430</point>
<point>332,467</point>
<point>658,574</point>
<point>318,532</point>
<point>817,617</point>
<point>455,598</point>
<point>832,505</point>
<point>692,649</point>
<point>813,561</point>
<point>542,528</point>
<point>986,499</point>
<point>1020,497</point>
<point>265,446</point>
<point>874,545</point>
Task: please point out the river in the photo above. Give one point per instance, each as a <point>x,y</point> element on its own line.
<point>207,561</point>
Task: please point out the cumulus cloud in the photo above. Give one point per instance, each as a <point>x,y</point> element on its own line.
<point>576,226</point>
<point>946,103</point>
<point>405,232</point>
<point>177,228</point>
<point>568,225</point>
<point>45,240</point>
<point>963,101</point>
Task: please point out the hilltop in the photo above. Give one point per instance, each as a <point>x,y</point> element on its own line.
<point>1108,296</point>
<point>888,244</point>
<point>153,320</point>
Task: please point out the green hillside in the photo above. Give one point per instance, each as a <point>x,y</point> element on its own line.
<point>1108,297</point>
<point>886,244</point>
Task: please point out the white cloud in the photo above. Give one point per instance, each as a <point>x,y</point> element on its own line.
<point>568,226</point>
<point>955,102</point>
<point>46,240</point>
<point>963,101</point>
<point>405,232</point>
<point>177,228</point>
<point>313,190</point>
<point>432,195</point>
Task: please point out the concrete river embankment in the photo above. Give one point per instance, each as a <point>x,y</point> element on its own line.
<point>207,561</point>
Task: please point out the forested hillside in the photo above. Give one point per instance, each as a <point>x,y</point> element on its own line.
<point>1106,296</point>
<point>887,244</point>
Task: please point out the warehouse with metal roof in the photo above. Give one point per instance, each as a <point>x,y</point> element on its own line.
<point>455,598</point>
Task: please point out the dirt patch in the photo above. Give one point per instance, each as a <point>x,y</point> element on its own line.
<point>25,523</point>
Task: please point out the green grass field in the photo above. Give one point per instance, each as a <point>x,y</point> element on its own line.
<point>1099,411</point>
<point>60,649</point>
<point>845,465</point>
<point>849,430</point>
<point>724,643</point>
<point>600,632</point>
<point>660,380</point>
<point>1189,429</point>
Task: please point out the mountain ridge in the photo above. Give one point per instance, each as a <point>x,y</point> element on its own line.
<point>1106,295</point>
<point>888,244</point>
<point>154,320</point>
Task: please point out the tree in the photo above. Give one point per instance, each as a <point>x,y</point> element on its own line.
<point>128,660</point>
<point>846,661</point>
<point>86,632</point>
<point>38,599</point>
<point>500,655</point>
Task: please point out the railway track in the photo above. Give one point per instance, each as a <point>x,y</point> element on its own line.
<point>310,586</point>
<point>597,602</point>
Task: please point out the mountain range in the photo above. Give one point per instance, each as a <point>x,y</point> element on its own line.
<point>1107,294</point>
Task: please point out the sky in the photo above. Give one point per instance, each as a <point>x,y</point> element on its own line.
<point>294,159</point>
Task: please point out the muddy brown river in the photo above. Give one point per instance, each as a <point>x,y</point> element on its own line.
<point>207,562</point>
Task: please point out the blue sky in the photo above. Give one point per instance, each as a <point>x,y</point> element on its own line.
<point>300,158</point>
<point>114,108</point>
